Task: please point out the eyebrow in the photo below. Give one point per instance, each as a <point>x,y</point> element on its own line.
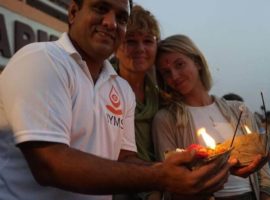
<point>178,60</point>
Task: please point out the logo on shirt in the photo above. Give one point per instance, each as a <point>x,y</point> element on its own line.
<point>115,116</point>
<point>115,102</point>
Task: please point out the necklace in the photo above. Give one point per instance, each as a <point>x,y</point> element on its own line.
<point>212,121</point>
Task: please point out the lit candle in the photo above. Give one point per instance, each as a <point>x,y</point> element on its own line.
<point>209,141</point>
<point>247,129</point>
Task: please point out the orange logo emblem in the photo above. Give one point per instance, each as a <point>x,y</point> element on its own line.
<point>115,100</point>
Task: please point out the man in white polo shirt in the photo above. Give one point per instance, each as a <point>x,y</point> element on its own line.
<point>66,117</point>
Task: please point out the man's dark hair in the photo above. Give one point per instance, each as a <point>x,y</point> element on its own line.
<point>80,2</point>
<point>232,96</point>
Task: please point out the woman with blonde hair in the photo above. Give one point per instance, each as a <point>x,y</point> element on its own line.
<point>185,77</point>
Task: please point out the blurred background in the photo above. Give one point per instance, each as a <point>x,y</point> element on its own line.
<point>234,35</point>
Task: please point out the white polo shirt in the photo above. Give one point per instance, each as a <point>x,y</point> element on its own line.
<point>47,94</point>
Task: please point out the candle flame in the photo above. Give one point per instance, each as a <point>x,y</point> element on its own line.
<point>209,141</point>
<point>247,129</point>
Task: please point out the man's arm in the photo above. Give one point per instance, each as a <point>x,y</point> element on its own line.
<point>131,157</point>
<point>58,165</point>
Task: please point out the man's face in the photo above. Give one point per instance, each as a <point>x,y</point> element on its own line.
<point>98,27</point>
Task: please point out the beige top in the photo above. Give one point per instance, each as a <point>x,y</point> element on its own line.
<point>167,136</point>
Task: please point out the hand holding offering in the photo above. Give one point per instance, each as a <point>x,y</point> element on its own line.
<point>207,154</point>
<point>251,151</point>
<point>247,147</point>
<point>204,180</point>
<point>245,171</point>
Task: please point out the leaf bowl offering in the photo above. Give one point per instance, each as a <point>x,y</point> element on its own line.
<point>246,147</point>
<point>205,155</point>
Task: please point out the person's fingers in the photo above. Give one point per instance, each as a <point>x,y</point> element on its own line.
<point>206,179</point>
<point>217,181</point>
<point>176,173</point>
<point>208,170</point>
<point>181,158</point>
<point>233,161</point>
<point>209,178</point>
<point>245,171</point>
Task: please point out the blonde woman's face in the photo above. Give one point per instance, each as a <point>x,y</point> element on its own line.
<point>179,72</point>
<point>137,53</point>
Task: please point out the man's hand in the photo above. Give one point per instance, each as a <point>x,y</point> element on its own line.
<point>180,179</point>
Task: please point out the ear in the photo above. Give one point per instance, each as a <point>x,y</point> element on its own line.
<point>72,11</point>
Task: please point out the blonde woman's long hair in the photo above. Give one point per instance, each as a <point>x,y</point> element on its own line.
<point>173,100</point>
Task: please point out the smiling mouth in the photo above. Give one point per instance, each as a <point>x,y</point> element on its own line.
<point>139,58</point>
<point>106,34</point>
<point>179,83</point>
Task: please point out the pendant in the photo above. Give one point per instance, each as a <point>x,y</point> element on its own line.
<point>212,121</point>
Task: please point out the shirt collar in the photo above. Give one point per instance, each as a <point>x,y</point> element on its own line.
<point>108,69</point>
<point>65,42</point>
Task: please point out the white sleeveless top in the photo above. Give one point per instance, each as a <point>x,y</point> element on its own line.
<point>218,128</point>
